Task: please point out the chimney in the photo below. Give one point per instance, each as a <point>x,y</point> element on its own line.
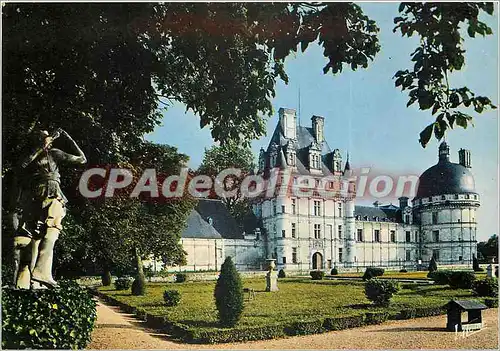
<point>288,122</point>
<point>403,202</point>
<point>464,158</point>
<point>444,152</point>
<point>318,124</point>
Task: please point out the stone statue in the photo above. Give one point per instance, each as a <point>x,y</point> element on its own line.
<point>40,208</point>
<point>271,276</point>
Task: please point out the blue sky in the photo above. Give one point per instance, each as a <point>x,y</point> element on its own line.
<point>367,116</point>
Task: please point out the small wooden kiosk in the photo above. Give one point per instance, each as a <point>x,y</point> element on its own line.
<point>455,309</point>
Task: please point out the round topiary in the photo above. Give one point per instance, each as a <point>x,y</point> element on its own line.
<point>122,283</point>
<point>372,272</point>
<point>381,291</point>
<point>403,270</point>
<point>432,265</point>
<point>317,275</point>
<point>106,278</point>
<point>139,286</point>
<point>281,274</point>
<point>486,287</point>
<point>60,318</point>
<point>180,277</point>
<point>334,271</point>
<point>171,297</point>
<point>228,294</point>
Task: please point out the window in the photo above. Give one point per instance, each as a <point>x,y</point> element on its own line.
<point>329,263</point>
<point>294,203</point>
<point>360,234</point>
<point>407,219</point>
<point>443,197</point>
<point>317,231</point>
<point>458,220</point>
<point>408,255</point>
<point>456,196</point>
<point>340,254</point>
<point>340,209</point>
<point>435,235</point>
<point>435,254</point>
<point>294,255</point>
<point>294,228</point>
<point>283,209</point>
<point>317,208</point>
<point>284,260</point>
<point>340,231</point>
<point>467,196</point>
<point>377,235</point>
<point>283,235</point>
<point>274,207</point>
<point>408,236</point>
<point>330,230</point>
<point>434,217</point>
<point>460,258</point>
<point>393,236</point>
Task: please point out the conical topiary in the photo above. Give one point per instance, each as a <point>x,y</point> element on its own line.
<point>229,294</point>
<point>139,286</point>
<point>433,265</point>
<point>106,278</point>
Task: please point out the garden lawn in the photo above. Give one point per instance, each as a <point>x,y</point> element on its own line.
<point>299,299</point>
<point>399,275</point>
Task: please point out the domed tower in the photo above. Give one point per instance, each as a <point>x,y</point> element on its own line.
<point>445,207</point>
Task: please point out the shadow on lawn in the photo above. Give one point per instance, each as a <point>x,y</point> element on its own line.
<point>409,329</point>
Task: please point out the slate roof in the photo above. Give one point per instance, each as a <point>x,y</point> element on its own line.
<point>198,228</point>
<point>305,136</point>
<point>467,304</point>
<point>222,220</point>
<point>384,213</point>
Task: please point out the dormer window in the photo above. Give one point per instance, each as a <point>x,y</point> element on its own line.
<point>210,220</point>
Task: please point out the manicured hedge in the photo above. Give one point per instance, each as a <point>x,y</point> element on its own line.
<point>462,279</point>
<point>305,327</point>
<point>61,318</point>
<point>171,297</point>
<point>486,287</point>
<point>180,277</point>
<point>440,277</point>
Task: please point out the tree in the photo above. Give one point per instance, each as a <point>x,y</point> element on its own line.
<point>229,294</point>
<point>488,249</point>
<point>224,157</point>
<point>440,52</point>
<point>432,265</point>
<point>475,264</point>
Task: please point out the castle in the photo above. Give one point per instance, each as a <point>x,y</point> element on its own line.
<point>321,232</point>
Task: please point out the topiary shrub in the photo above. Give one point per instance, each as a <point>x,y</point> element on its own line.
<point>475,264</point>
<point>317,275</point>
<point>403,270</point>
<point>228,294</point>
<point>122,283</point>
<point>462,279</point>
<point>381,291</point>
<point>334,271</point>
<point>281,274</point>
<point>139,286</point>
<point>180,277</point>
<point>171,297</point>
<point>61,318</point>
<point>485,287</point>
<point>106,278</point>
<point>432,265</point>
<point>372,272</point>
<point>441,277</point>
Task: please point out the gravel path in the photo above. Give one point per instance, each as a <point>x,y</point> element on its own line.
<point>117,330</point>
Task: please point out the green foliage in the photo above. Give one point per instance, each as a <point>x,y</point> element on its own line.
<point>440,277</point>
<point>281,273</point>
<point>106,278</point>
<point>376,317</point>
<point>439,53</point>
<point>488,249</point>
<point>486,287</point>
<point>122,283</point>
<point>403,270</point>
<point>139,286</point>
<point>180,277</point>
<point>334,271</point>
<point>432,265</point>
<point>462,279</point>
<point>475,264</point>
<point>372,272</point>
<point>306,327</point>
<point>491,303</point>
<point>61,318</point>
<point>380,291</point>
<point>228,294</point>
<point>317,275</point>
<point>171,297</point>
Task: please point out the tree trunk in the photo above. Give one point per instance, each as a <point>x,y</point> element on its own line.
<point>138,261</point>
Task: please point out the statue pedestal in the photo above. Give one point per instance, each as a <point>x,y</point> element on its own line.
<point>272,281</point>
<point>489,271</point>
